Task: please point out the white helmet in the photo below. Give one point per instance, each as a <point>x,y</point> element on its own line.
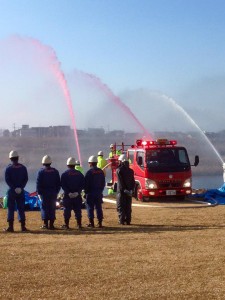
<point>122,157</point>
<point>46,159</point>
<point>13,154</point>
<point>100,153</point>
<point>77,163</point>
<point>71,161</point>
<point>92,159</point>
<point>111,146</point>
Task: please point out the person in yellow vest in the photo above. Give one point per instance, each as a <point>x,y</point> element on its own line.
<point>102,162</point>
<point>78,167</point>
<point>113,152</point>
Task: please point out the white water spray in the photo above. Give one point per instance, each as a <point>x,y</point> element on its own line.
<point>173,102</point>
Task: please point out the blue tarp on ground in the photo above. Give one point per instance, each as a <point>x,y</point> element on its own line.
<point>217,195</point>
<point>31,202</point>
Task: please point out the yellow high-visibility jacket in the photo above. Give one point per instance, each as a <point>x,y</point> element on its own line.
<point>79,168</point>
<point>112,153</point>
<point>102,163</point>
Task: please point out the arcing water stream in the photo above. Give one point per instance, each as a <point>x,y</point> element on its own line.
<point>178,107</point>
<point>110,95</point>
<point>56,69</point>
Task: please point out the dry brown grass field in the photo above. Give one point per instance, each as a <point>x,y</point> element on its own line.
<point>167,253</point>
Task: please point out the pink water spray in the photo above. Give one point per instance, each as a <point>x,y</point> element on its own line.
<point>57,72</point>
<point>106,90</point>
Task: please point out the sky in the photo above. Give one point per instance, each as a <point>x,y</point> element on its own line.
<point>155,50</point>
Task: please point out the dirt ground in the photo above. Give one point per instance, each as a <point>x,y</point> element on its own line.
<point>171,252</point>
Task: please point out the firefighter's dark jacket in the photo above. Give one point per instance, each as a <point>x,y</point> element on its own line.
<point>72,181</point>
<point>125,176</point>
<point>16,176</point>
<point>48,181</point>
<point>94,181</point>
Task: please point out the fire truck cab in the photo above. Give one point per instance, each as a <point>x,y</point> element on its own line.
<point>161,169</point>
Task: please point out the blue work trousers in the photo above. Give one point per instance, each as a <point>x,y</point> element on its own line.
<point>94,201</point>
<point>48,207</point>
<point>16,201</point>
<point>74,204</point>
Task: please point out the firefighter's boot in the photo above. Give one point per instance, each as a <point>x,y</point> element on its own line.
<point>10,227</point>
<point>100,224</point>
<point>23,226</point>
<point>51,225</point>
<point>91,223</point>
<point>79,225</point>
<point>66,225</point>
<point>45,225</point>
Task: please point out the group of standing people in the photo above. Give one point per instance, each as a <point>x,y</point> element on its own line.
<point>48,185</point>
<point>73,182</point>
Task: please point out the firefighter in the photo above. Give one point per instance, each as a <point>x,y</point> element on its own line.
<point>121,159</point>
<point>72,182</point>
<point>125,187</point>
<point>94,186</point>
<point>48,187</point>
<point>78,167</point>
<point>102,163</point>
<point>113,152</point>
<point>112,190</point>
<point>16,178</point>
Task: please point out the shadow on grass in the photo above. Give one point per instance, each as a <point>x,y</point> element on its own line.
<point>134,228</point>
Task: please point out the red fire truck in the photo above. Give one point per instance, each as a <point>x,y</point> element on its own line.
<point>161,169</point>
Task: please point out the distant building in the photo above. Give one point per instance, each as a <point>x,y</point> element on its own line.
<point>81,132</point>
<point>26,131</point>
<point>60,130</point>
<point>96,131</point>
<point>116,133</point>
<point>67,131</point>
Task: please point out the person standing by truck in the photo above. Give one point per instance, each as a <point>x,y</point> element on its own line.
<point>113,152</point>
<point>125,188</point>
<point>16,178</point>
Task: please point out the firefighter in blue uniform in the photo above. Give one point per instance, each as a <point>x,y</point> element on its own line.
<point>16,178</point>
<point>125,187</point>
<point>48,187</point>
<point>94,186</point>
<point>72,182</point>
